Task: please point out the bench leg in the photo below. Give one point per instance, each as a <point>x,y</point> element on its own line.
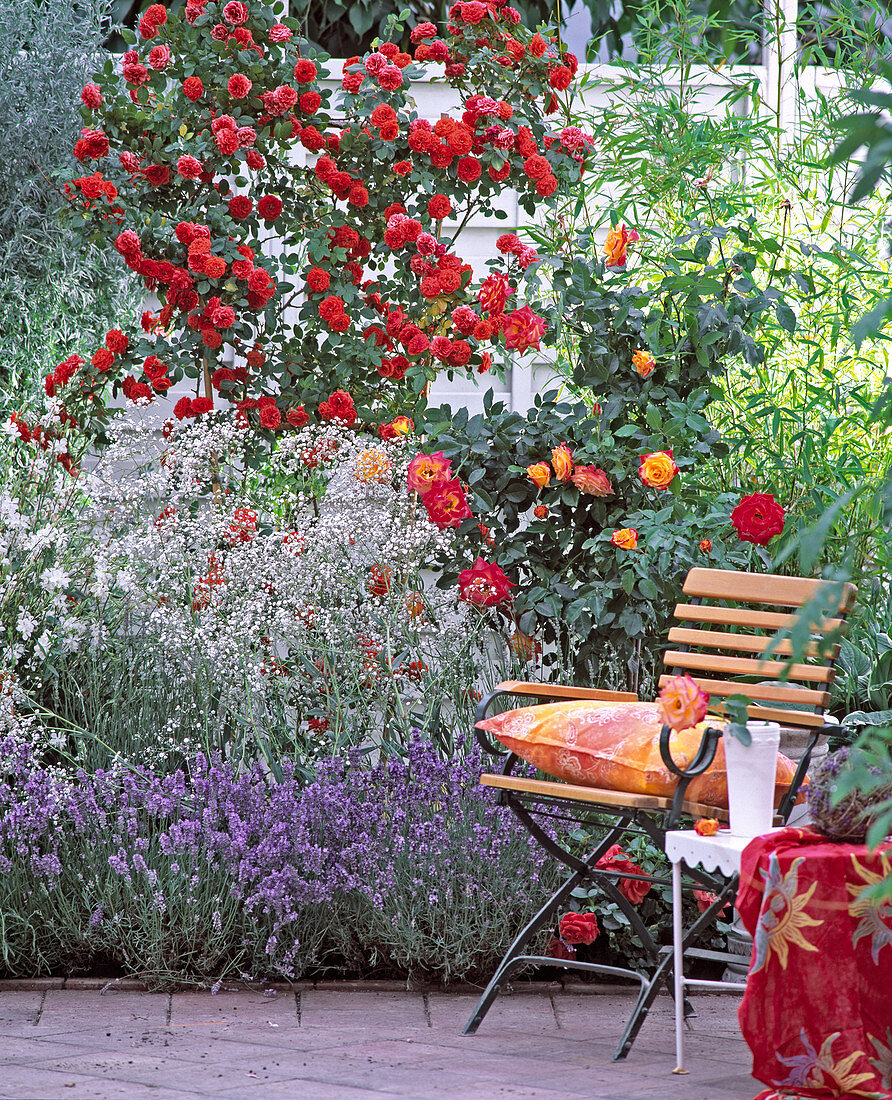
<point>516,951</point>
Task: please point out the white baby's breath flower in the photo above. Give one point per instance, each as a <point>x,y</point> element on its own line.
<point>54,578</point>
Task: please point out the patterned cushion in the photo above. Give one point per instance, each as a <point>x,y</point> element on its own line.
<point>615,746</point>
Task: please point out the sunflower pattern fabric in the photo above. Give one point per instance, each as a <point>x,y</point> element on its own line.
<point>817,1012</point>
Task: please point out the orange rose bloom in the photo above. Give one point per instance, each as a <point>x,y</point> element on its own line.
<point>523,646</point>
<point>403,425</point>
<point>372,464</point>
<point>682,705</point>
<point>591,480</point>
<point>657,469</point>
<point>644,363</point>
<point>626,538</point>
<point>540,511</point>
<point>706,546</point>
<point>540,473</point>
<point>562,461</point>
<point>706,826</point>
<point>425,471</point>
<point>414,604</point>
<point>617,245</point>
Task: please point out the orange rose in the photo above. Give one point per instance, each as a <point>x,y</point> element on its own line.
<point>706,826</point>
<point>425,471</point>
<point>415,605</point>
<point>644,363</point>
<point>523,646</point>
<point>626,538</point>
<point>682,704</point>
<point>706,546</point>
<point>617,245</point>
<point>372,464</point>
<point>540,473</point>
<point>591,480</point>
<point>657,469</point>
<point>403,425</point>
<point>540,511</point>
<point>562,461</point>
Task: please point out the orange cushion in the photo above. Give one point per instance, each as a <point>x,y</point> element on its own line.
<point>616,746</point>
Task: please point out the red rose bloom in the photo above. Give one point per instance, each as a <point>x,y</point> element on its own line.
<point>297,417</point>
<point>189,168</point>
<point>239,86</point>
<point>270,417</point>
<point>560,78</point>
<point>578,928</point>
<point>91,96</point>
<point>102,359</point>
<point>468,169</point>
<point>305,71</point>
<point>192,88</point>
<point>183,408</point>
<point>159,58</point>
<point>269,207</point>
<point>240,207</point>
<point>156,13</point>
<point>446,504</point>
<point>390,78</point>
<point>483,585</point>
<point>310,102</point>
<point>615,859</point>
<point>318,280</point>
<point>758,518</point>
<point>235,13</point>
<point>116,341</point>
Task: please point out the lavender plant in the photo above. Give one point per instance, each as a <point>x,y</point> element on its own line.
<point>210,871</point>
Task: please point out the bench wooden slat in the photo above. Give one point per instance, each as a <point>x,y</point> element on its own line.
<point>565,691</point>
<point>771,693</point>
<point>595,795</point>
<point>747,666</point>
<point>743,616</point>
<point>744,643</point>
<point>728,584</point>
<point>775,714</point>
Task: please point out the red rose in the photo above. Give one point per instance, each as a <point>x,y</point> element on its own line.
<point>158,175</point>
<point>446,504</point>
<point>269,207</point>
<point>279,33</point>
<point>91,96</point>
<point>116,341</point>
<point>201,405</point>
<point>159,58</point>
<point>297,417</point>
<point>239,86</point>
<point>270,417</point>
<point>560,78</point>
<point>183,408</point>
<point>235,13</point>
<point>318,280</point>
<point>305,71</point>
<point>240,207</point>
<point>578,928</point>
<point>310,102</point>
<point>189,168</point>
<point>255,160</point>
<point>615,859</point>
<point>156,13</point>
<point>758,518</point>
<point>468,169</point>
<point>102,359</point>
<point>192,88</point>
<point>390,78</point>
<point>484,585</point>
<point>227,141</point>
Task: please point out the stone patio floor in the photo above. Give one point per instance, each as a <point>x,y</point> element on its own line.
<point>342,1042</point>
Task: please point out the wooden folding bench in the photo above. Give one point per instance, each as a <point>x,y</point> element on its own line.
<point>720,637</point>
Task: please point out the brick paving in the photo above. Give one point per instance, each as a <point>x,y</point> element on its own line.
<point>330,1043</point>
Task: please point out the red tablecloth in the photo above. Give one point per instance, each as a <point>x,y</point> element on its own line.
<point>817,1012</point>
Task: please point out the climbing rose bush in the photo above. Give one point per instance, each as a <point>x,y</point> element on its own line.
<point>295,257</point>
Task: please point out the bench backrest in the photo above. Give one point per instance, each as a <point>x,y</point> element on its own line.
<point>724,635</point>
